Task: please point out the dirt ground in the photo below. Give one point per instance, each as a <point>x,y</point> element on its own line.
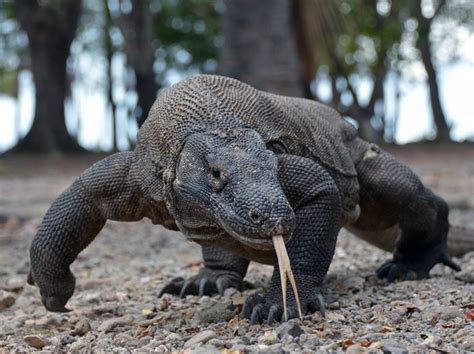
<point>116,304</point>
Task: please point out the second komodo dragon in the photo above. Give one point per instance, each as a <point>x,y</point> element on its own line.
<point>230,167</point>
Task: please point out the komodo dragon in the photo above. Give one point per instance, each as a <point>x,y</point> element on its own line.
<point>230,167</point>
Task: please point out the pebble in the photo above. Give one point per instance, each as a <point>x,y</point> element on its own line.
<point>35,341</point>
<point>7,299</point>
<point>267,339</point>
<point>173,337</point>
<point>290,328</point>
<point>201,337</point>
<point>82,327</point>
<point>108,325</point>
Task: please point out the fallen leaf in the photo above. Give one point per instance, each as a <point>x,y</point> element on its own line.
<point>346,343</point>
<point>469,315</point>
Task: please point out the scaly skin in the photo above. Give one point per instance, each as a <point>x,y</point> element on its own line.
<point>230,167</point>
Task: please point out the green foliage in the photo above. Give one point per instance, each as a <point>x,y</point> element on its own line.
<point>187,34</point>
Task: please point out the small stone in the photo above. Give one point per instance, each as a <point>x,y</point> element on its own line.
<point>108,325</point>
<point>242,330</point>
<point>356,349</point>
<point>393,347</point>
<point>35,341</point>
<point>267,339</point>
<point>173,337</point>
<point>216,342</point>
<point>290,328</point>
<point>67,339</point>
<point>217,312</point>
<point>201,337</point>
<point>7,299</point>
<point>446,313</point>
<point>82,327</point>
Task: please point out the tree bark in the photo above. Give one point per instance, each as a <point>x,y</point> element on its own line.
<point>259,46</point>
<point>136,28</point>
<point>50,33</point>
<point>424,29</point>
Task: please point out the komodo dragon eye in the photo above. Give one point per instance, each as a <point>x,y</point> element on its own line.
<point>219,178</point>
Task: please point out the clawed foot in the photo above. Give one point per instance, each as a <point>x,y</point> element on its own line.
<point>207,282</point>
<point>412,268</point>
<point>258,308</point>
<point>55,294</point>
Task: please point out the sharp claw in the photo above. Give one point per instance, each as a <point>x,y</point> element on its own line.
<point>202,286</point>
<point>222,283</point>
<point>251,302</point>
<point>174,287</point>
<point>322,305</point>
<point>54,304</point>
<point>394,273</point>
<point>29,279</point>
<point>256,314</point>
<point>188,288</point>
<point>274,315</point>
<point>382,272</point>
<point>446,260</point>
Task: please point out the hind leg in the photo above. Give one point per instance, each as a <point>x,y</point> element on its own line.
<point>391,194</point>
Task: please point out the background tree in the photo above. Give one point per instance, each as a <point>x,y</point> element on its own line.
<point>259,46</point>
<point>50,27</point>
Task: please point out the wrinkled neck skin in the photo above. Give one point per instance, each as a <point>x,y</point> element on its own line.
<point>226,192</point>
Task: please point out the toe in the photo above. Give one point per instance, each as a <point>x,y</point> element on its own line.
<point>274,314</point>
<point>174,287</point>
<point>258,314</point>
<point>252,301</point>
<point>189,288</point>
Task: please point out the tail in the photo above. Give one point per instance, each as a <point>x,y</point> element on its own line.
<point>460,240</point>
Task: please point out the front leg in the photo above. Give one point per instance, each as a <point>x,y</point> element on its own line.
<point>222,270</point>
<point>107,190</point>
<point>315,199</point>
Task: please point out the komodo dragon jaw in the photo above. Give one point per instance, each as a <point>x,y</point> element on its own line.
<point>227,182</point>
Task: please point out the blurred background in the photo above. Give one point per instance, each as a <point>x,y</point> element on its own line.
<point>82,75</point>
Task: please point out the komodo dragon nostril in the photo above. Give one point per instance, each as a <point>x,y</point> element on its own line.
<point>255,216</point>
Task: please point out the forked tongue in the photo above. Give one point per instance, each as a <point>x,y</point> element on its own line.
<point>285,271</point>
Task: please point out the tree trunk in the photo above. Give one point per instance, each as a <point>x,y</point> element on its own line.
<point>136,28</point>
<point>424,30</point>
<point>109,53</point>
<point>259,46</point>
<point>439,118</point>
<point>50,33</point>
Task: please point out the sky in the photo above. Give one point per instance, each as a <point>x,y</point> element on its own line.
<point>415,123</point>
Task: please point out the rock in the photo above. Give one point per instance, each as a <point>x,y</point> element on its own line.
<point>67,339</point>
<point>290,328</point>
<point>82,327</point>
<point>201,337</point>
<point>356,349</point>
<point>393,347</point>
<point>173,337</point>
<point>267,339</point>
<point>7,299</point>
<point>108,325</point>
<point>465,275</point>
<point>446,313</point>
<point>77,345</point>
<point>35,341</point>
<point>216,342</point>
<point>217,312</point>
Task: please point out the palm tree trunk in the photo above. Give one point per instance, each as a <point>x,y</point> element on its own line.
<point>259,46</point>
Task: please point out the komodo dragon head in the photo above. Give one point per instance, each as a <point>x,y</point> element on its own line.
<point>226,182</point>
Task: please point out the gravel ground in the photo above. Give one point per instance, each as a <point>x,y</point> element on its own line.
<point>116,306</point>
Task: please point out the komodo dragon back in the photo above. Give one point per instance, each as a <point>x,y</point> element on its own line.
<point>210,102</point>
